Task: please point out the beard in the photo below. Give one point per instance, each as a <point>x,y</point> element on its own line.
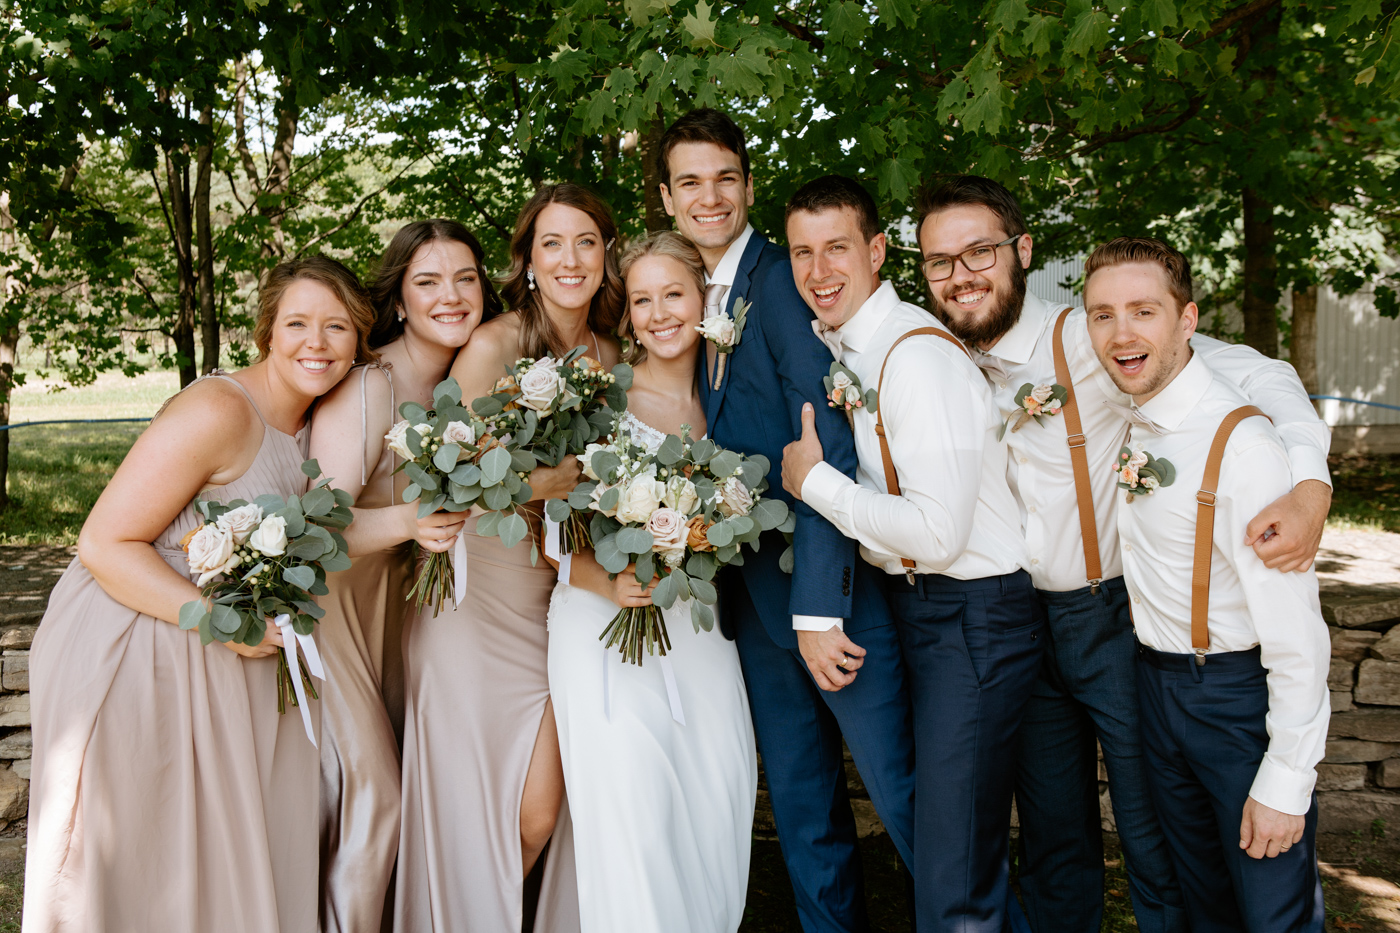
<point>1002,316</point>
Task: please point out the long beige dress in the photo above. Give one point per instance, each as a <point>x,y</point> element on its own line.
<point>168,794</point>
<point>362,717</point>
<point>478,681</point>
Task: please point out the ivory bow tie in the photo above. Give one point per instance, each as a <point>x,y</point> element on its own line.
<point>1133,415</point>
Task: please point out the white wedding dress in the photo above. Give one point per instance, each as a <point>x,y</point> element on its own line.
<point>662,811</point>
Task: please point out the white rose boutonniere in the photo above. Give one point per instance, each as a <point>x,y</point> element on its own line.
<point>725,333</point>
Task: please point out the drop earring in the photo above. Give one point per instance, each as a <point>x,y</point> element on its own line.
<point>530,279</point>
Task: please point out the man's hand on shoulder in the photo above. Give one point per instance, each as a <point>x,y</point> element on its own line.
<point>1286,535</point>
<point>802,454</point>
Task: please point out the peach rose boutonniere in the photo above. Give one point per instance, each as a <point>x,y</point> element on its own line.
<point>844,391</point>
<point>1035,401</point>
<point>1140,473</point>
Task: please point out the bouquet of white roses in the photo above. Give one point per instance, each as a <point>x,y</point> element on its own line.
<point>553,408</point>
<point>455,460</point>
<point>268,557</point>
<point>680,513</point>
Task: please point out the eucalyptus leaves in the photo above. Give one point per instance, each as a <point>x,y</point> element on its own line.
<point>679,513</point>
<point>1140,473</point>
<point>1034,402</point>
<point>268,557</point>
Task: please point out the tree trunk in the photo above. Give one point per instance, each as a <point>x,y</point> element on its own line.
<point>208,313</point>
<point>177,184</point>
<point>648,144</point>
<point>9,341</point>
<point>1302,343</point>
<point>1261,293</point>
<point>279,171</point>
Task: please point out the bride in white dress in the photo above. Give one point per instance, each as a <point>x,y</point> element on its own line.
<point>659,761</point>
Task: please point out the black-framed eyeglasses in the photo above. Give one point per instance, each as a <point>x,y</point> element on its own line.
<point>977,259</point>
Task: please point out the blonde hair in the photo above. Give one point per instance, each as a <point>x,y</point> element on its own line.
<point>671,245</point>
<point>330,273</point>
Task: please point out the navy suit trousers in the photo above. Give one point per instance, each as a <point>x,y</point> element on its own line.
<point>1087,691</point>
<point>1203,735</point>
<point>799,728</point>
<point>972,649</point>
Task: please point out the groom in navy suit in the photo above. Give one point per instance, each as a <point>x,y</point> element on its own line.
<point>818,646</point>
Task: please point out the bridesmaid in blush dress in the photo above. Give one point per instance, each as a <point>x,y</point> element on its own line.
<point>482,784</point>
<point>430,295</point>
<point>167,792</point>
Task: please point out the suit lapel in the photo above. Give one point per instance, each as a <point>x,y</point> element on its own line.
<point>740,289</point>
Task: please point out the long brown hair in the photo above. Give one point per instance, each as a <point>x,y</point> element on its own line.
<point>330,273</point>
<point>387,289</point>
<point>538,336</point>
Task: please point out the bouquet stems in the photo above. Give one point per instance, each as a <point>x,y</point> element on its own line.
<point>286,691</point>
<point>636,628</point>
<point>574,535</point>
<point>435,581</point>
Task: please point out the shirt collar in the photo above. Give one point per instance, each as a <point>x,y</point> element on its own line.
<point>1018,344</point>
<point>857,332</point>
<point>728,266</point>
<point>1169,407</point>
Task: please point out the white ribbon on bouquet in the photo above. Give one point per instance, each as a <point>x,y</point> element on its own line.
<point>290,640</point>
<point>459,569</point>
<point>554,551</point>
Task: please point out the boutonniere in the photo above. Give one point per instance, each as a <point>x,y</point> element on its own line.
<point>1141,473</point>
<point>1038,402</point>
<point>843,391</point>
<point>725,333</point>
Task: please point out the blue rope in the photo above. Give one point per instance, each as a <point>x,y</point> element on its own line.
<point>1356,401</point>
<point>26,424</point>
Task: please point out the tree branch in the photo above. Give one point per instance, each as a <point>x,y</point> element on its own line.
<point>350,218</point>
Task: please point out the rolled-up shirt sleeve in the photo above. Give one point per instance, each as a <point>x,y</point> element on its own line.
<point>936,427</point>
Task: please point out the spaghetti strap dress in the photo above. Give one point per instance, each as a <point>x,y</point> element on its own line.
<point>168,794</point>
<point>478,681</point>
<point>360,640</point>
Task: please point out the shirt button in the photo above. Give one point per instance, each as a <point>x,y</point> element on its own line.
<point>1035,560</point>
<point>1127,547</point>
<point>1003,385</point>
<point>1030,509</point>
<point>1024,460</point>
<point>1135,599</point>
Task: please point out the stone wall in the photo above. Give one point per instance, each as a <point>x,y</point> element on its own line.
<point>16,632</point>
<point>1358,781</point>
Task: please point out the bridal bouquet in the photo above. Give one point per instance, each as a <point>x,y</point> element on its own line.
<point>552,408</point>
<point>680,513</point>
<point>455,460</point>
<point>268,557</point>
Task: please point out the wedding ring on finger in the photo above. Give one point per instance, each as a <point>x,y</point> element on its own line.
<point>844,660</point>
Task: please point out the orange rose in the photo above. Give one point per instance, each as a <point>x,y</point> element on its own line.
<point>589,364</point>
<point>504,384</point>
<point>484,444</point>
<point>697,540</point>
<point>185,541</point>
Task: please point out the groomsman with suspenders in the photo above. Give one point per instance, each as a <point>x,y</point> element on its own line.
<point>1232,670</point>
<point>933,513</point>
<point>820,655</point>
<point>976,252</point>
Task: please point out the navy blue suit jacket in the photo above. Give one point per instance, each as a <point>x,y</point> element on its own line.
<point>779,364</point>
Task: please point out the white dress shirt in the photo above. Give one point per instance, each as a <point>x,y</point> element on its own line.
<point>728,266</point>
<point>1039,468</point>
<point>955,515</point>
<point>1249,603</point>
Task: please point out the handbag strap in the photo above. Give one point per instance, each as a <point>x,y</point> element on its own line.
<point>891,478</point>
<point>1079,460</point>
<point>1205,530</point>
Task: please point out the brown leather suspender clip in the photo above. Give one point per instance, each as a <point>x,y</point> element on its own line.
<point>1205,530</point>
<point>891,478</point>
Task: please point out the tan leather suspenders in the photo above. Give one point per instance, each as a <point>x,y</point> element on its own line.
<point>891,479</point>
<point>1079,460</point>
<point>1205,530</point>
